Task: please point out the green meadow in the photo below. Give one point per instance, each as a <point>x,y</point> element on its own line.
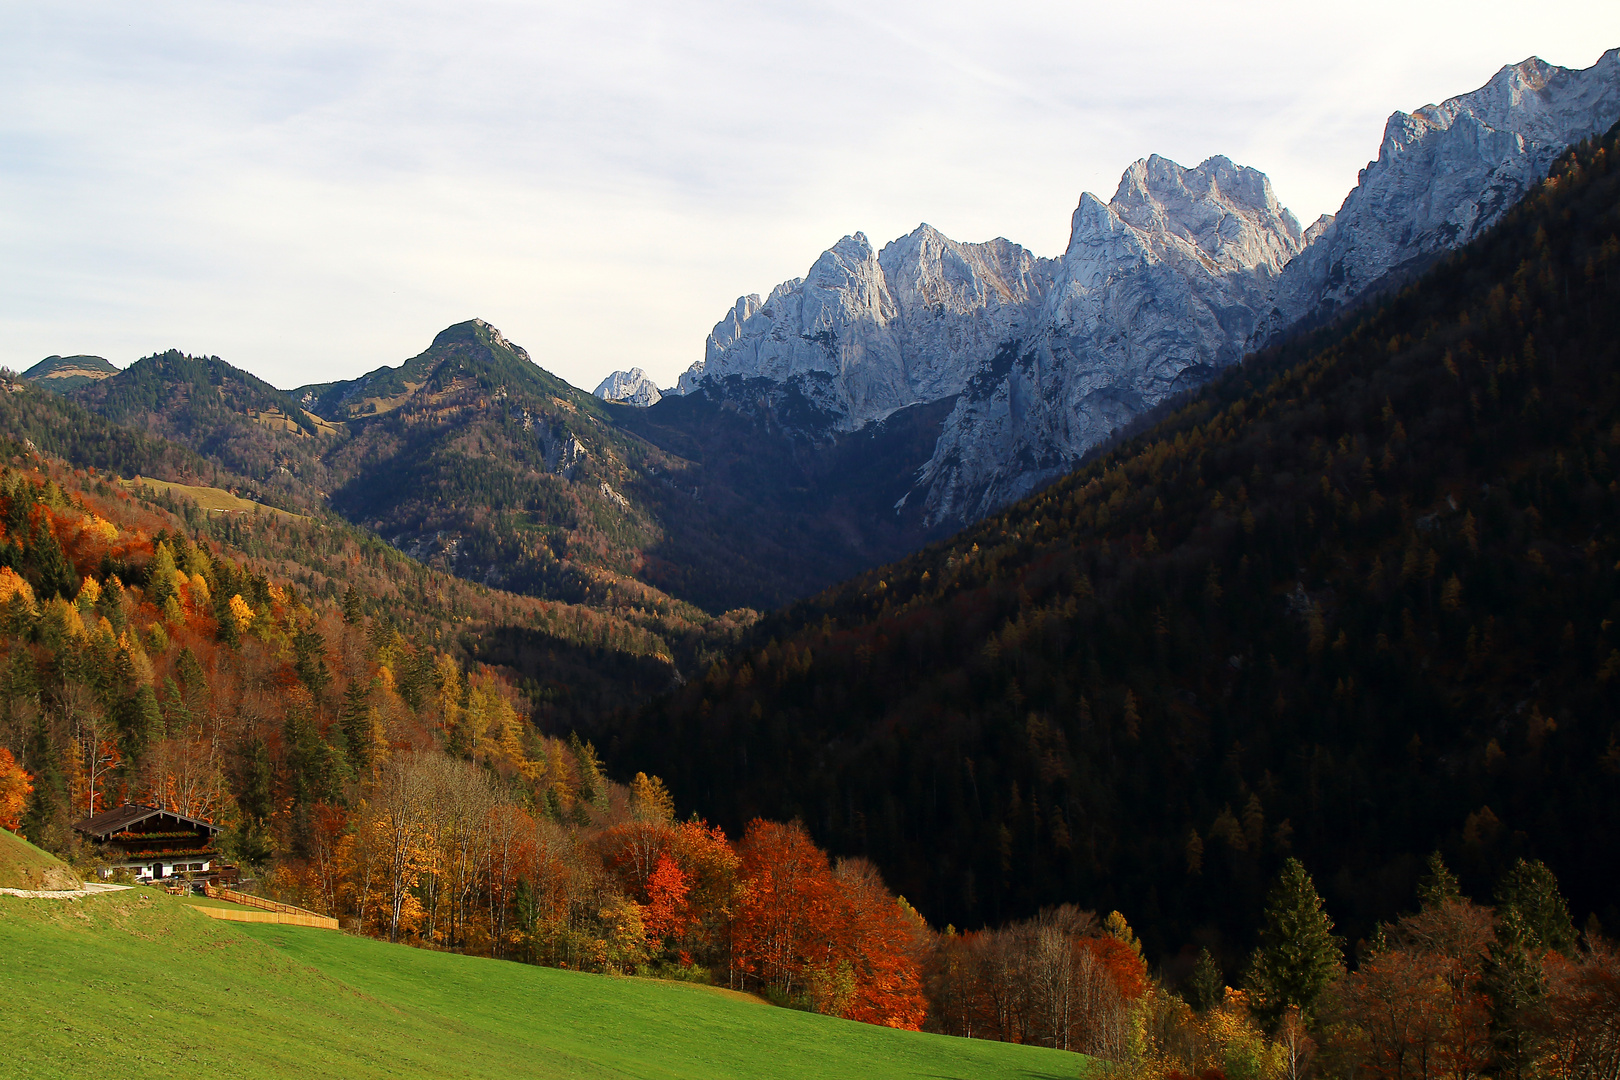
<point>138,982</point>
<point>24,866</point>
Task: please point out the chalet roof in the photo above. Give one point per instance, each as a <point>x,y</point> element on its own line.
<point>109,822</point>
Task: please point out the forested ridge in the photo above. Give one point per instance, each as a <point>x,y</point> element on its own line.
<point>1353,601</point>
<point>482,464</point>
<point>577,660</point>
<point>241,423</point>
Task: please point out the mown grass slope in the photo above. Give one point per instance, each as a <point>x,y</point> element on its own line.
<point>127,983</point>
<point>24,866</point>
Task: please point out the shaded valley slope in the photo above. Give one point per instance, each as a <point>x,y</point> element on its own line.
<point>1355,600</point>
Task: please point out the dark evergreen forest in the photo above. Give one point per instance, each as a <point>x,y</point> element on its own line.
<point>1354,601</point>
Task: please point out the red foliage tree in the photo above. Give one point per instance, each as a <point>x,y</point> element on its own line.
<point>779,934</point>
<point>883,943</point>
<point>667,913</point>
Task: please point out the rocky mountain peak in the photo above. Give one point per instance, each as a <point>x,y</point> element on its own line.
<point>865,333</point>
<point>477,332</point>
<point>1444,173</point>
<point>629,388</point>
<point>1178,275</point>
<point>1226,211</point>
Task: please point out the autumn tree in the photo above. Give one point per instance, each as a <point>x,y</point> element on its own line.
<point>15,787</point>
<point>778,938</point>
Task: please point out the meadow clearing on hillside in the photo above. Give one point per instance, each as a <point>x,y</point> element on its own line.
<point>127,983</point>
<point>215,500</point>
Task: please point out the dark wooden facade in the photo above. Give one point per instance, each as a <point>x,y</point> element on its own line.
<point>153,843</point>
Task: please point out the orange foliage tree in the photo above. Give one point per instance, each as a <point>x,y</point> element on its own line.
<point>15,787</point>
<point>836,940</point>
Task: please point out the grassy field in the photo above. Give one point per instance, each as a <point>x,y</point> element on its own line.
<point>214,499</point>
<point>125,984</point>
<point>24,866</point>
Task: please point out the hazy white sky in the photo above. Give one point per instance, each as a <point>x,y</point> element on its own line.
<point>311,190</point>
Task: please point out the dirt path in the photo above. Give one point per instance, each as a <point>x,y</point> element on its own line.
<point>87,889</point>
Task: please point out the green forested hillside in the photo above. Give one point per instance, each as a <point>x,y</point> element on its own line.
<point>480,463</point>
<point>63,373</point>
<point>237,421</point>
<point>1355,600</point>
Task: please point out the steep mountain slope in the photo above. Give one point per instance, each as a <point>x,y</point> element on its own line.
<point>1444,174</point>
<point>1357,599</point>
<point>64,373</point>
<point>1172,280</point>
<point>772,516</point>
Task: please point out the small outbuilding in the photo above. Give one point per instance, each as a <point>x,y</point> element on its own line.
<point>152,843</point>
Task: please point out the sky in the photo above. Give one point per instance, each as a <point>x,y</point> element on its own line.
<point>314,190</point>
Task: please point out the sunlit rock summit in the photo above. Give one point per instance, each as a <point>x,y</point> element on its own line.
<point>629,388</point>
<point>1175,277</point>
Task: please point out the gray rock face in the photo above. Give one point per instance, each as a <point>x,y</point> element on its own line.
<point>865,333</point>
<point>1157,290</point>
<point>1177,276</point>
<point>629,388</point>
<point>1445,173</point>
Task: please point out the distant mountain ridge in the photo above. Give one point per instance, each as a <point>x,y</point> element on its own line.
<point>476,461</point>
<point>1173,279</point>
<point>879,402</point>
<point>60,374</point>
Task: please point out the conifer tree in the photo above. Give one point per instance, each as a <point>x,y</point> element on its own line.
<point>1298,954</point>
<point>56,577</point>
<point>160,575</point>
<point>140,723</point>
<point>1516,985</point>
<point>1437,885</point>
<point>1206,986</point>
<point>250,840</point>
<point>354,719</point>
<point>1530,889</point>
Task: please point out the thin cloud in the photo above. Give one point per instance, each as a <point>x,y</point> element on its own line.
<point>314,190</point>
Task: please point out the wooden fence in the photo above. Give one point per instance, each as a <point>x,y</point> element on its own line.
<point>267,910</point>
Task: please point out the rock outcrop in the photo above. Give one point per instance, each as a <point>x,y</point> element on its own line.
<point>1177,276</point>
<point>1158,289</point>
<point>629,388</point>
<point>865,333</point>
<point>1444,173</point>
